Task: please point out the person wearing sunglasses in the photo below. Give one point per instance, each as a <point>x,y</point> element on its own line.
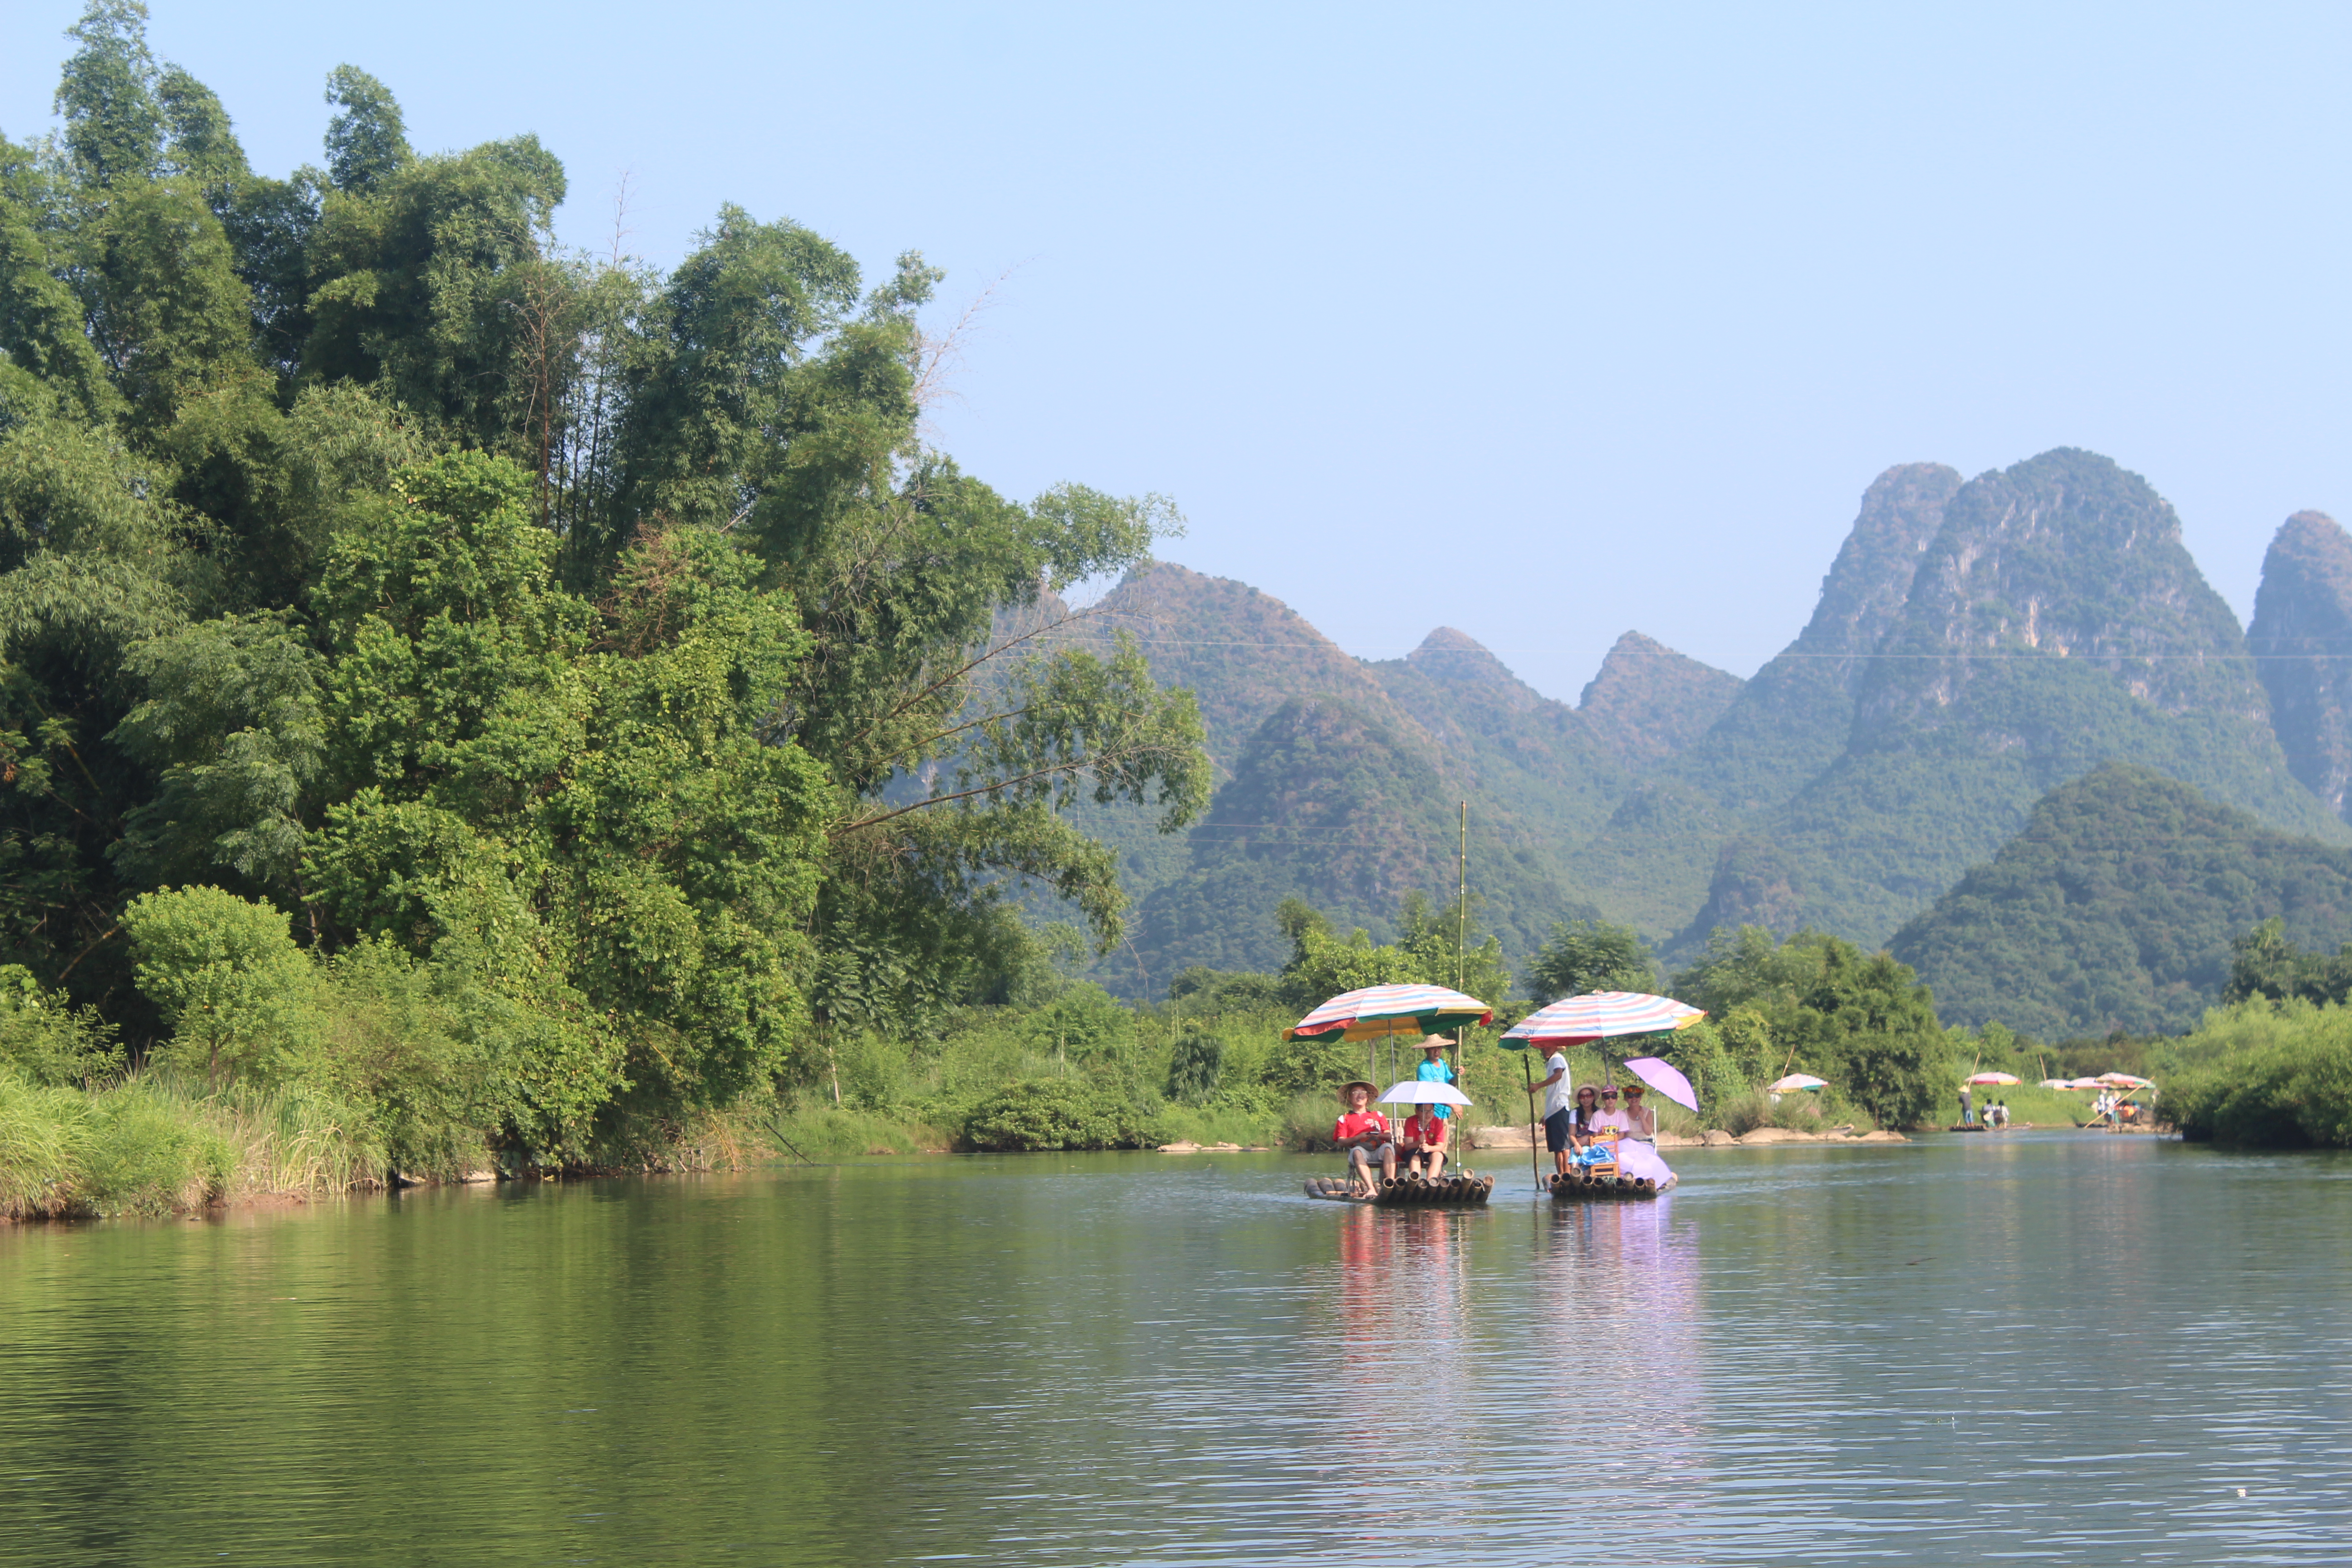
<point>1640,1121</point>
<point>1579,1117</point>
<point>1611,1119</point>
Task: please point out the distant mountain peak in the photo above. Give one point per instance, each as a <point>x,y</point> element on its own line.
<point>1241,649</point>
<point>2302,643</point>
<point>1648,702</point>
<point>1458,658</point>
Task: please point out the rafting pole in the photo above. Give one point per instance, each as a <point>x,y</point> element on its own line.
<point>1527,1068</point>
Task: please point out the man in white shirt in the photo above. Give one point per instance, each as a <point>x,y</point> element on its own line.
<point>1554,1089</point>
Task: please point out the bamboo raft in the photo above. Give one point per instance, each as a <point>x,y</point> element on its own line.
<point>1584,1185</point>
<point>1407,1191</point>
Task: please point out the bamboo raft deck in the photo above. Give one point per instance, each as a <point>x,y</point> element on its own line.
<point>1411,1192</point>
<point>1583,1185</point>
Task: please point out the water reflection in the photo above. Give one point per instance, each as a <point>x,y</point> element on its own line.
<point>2073,1349</point>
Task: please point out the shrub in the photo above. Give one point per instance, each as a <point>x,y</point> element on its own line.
<point>225,973</point>
<point>1084,1024</point>
<point>2273,1076</point>
<point>46,1038</point>
<point>393,1053</point>
<point>1818,1112</point>
<point>1057,1113</point>
<point>1195,1064</point>
<point>1698,1051</point>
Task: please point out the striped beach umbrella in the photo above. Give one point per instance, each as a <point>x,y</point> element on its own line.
<point>1600,1016</point>
<point>1381,1010</point>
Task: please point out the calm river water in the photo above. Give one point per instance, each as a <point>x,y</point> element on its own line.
<point>2063,1349</point>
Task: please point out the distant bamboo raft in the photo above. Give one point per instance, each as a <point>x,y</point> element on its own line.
<point>1581,1184</point>
<point>1407,1191</point>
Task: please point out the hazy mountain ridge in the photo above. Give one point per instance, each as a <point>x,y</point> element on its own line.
<point>2302,642</point>
<point>2056,624</point>
<point>1330,805</point>
<point>1648,704</point>
<point>1977,645</point>
<point>1663,856</point>
<point>1450,722</point>
<point>2052,623</point>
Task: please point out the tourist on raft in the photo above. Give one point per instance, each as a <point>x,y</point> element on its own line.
<point>1579,1118</point>
<point>1432,1068</point>
<point>1637,1140</point>
<point>1554,1088</point>
<point>1363,1133</point>
<point>1610,1119</point>
<point>1422,1142</point>
<point>1640,1121</point>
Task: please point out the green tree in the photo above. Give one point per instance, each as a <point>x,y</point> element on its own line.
<point>225,976</point>
<point>367,142</point>
<point>1863,1021</point>
<point>1585,956</point>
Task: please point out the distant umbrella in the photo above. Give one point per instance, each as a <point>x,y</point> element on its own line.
<point>1665,1078</point>
<point>2054,1083</point>
<point>1999,1078</point>
<point>2086,1083</point>
<point>2124,1080</point>
<point>1795,1081</point>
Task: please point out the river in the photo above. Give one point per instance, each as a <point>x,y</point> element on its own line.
<point>2050,1348</point>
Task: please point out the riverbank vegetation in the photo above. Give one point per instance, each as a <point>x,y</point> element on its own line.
<point>529,700</point>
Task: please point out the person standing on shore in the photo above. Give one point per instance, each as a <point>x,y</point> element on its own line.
<point>1554,1088</point>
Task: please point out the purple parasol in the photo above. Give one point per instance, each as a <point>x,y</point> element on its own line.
<point>1665,1079</point>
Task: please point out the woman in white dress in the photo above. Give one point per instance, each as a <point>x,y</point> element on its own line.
<point>1640,1121</point>
<point>1637,1147</point>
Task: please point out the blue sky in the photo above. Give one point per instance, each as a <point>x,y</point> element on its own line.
<point>1540,322</point>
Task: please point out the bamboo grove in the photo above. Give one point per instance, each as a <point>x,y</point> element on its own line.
<point>485,674</point>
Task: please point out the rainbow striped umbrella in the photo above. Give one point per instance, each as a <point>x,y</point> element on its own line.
<point>1600,1016</point>
<point>1379,1010</point>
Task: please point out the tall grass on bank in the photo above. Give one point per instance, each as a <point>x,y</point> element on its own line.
<point>152,1144</point>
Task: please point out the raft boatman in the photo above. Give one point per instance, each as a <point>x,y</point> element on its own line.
<point>1432,1068</point>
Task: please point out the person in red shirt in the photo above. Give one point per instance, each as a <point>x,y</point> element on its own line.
<point>1363,1133</point>
<point>1422,1142</point>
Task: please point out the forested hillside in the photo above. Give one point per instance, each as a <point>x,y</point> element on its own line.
<point>2116,909</point>
<point>1341,780</point>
